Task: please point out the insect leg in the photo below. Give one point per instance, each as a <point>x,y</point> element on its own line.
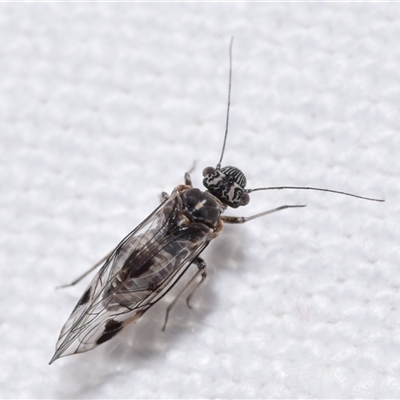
<point>188,179</point>
<point>74,282</point>
<point>164,196</point>
<point>201,265</point>
<point>242,220</point>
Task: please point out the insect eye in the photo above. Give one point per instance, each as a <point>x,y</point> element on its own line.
<point>208,171</point>
<point>245,199</point>
<point>227,184</point>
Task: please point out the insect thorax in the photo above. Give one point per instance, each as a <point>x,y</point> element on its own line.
<point>227,184</point>
<point>201,207</point>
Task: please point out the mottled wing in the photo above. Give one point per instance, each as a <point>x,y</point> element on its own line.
<point>143,267</point>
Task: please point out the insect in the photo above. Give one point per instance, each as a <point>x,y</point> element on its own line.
<point>155,255</point>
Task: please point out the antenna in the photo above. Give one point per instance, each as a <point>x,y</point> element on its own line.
<point>229,104</point>
<point>218,167</point>
<point>312,188</point>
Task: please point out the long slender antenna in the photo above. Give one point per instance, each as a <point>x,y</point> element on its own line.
<point>229,104</point>
<point>312,188</point>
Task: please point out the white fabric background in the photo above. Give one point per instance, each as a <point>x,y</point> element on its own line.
<point>104,106</point>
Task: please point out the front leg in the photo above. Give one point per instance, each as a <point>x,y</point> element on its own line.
<point>188,179</point>
<point>241,220</point>
<point>188,182</point>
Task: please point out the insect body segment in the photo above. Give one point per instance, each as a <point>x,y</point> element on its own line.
<point>142,269</point>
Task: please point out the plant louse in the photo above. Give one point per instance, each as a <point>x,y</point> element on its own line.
<point>155,255</point>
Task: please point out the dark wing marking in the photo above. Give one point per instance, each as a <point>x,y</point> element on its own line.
<point>139,272</point>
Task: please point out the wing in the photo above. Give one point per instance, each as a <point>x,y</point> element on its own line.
<point>138,273</point>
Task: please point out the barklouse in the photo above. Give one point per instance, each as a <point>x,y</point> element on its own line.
<point>155,255</point>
